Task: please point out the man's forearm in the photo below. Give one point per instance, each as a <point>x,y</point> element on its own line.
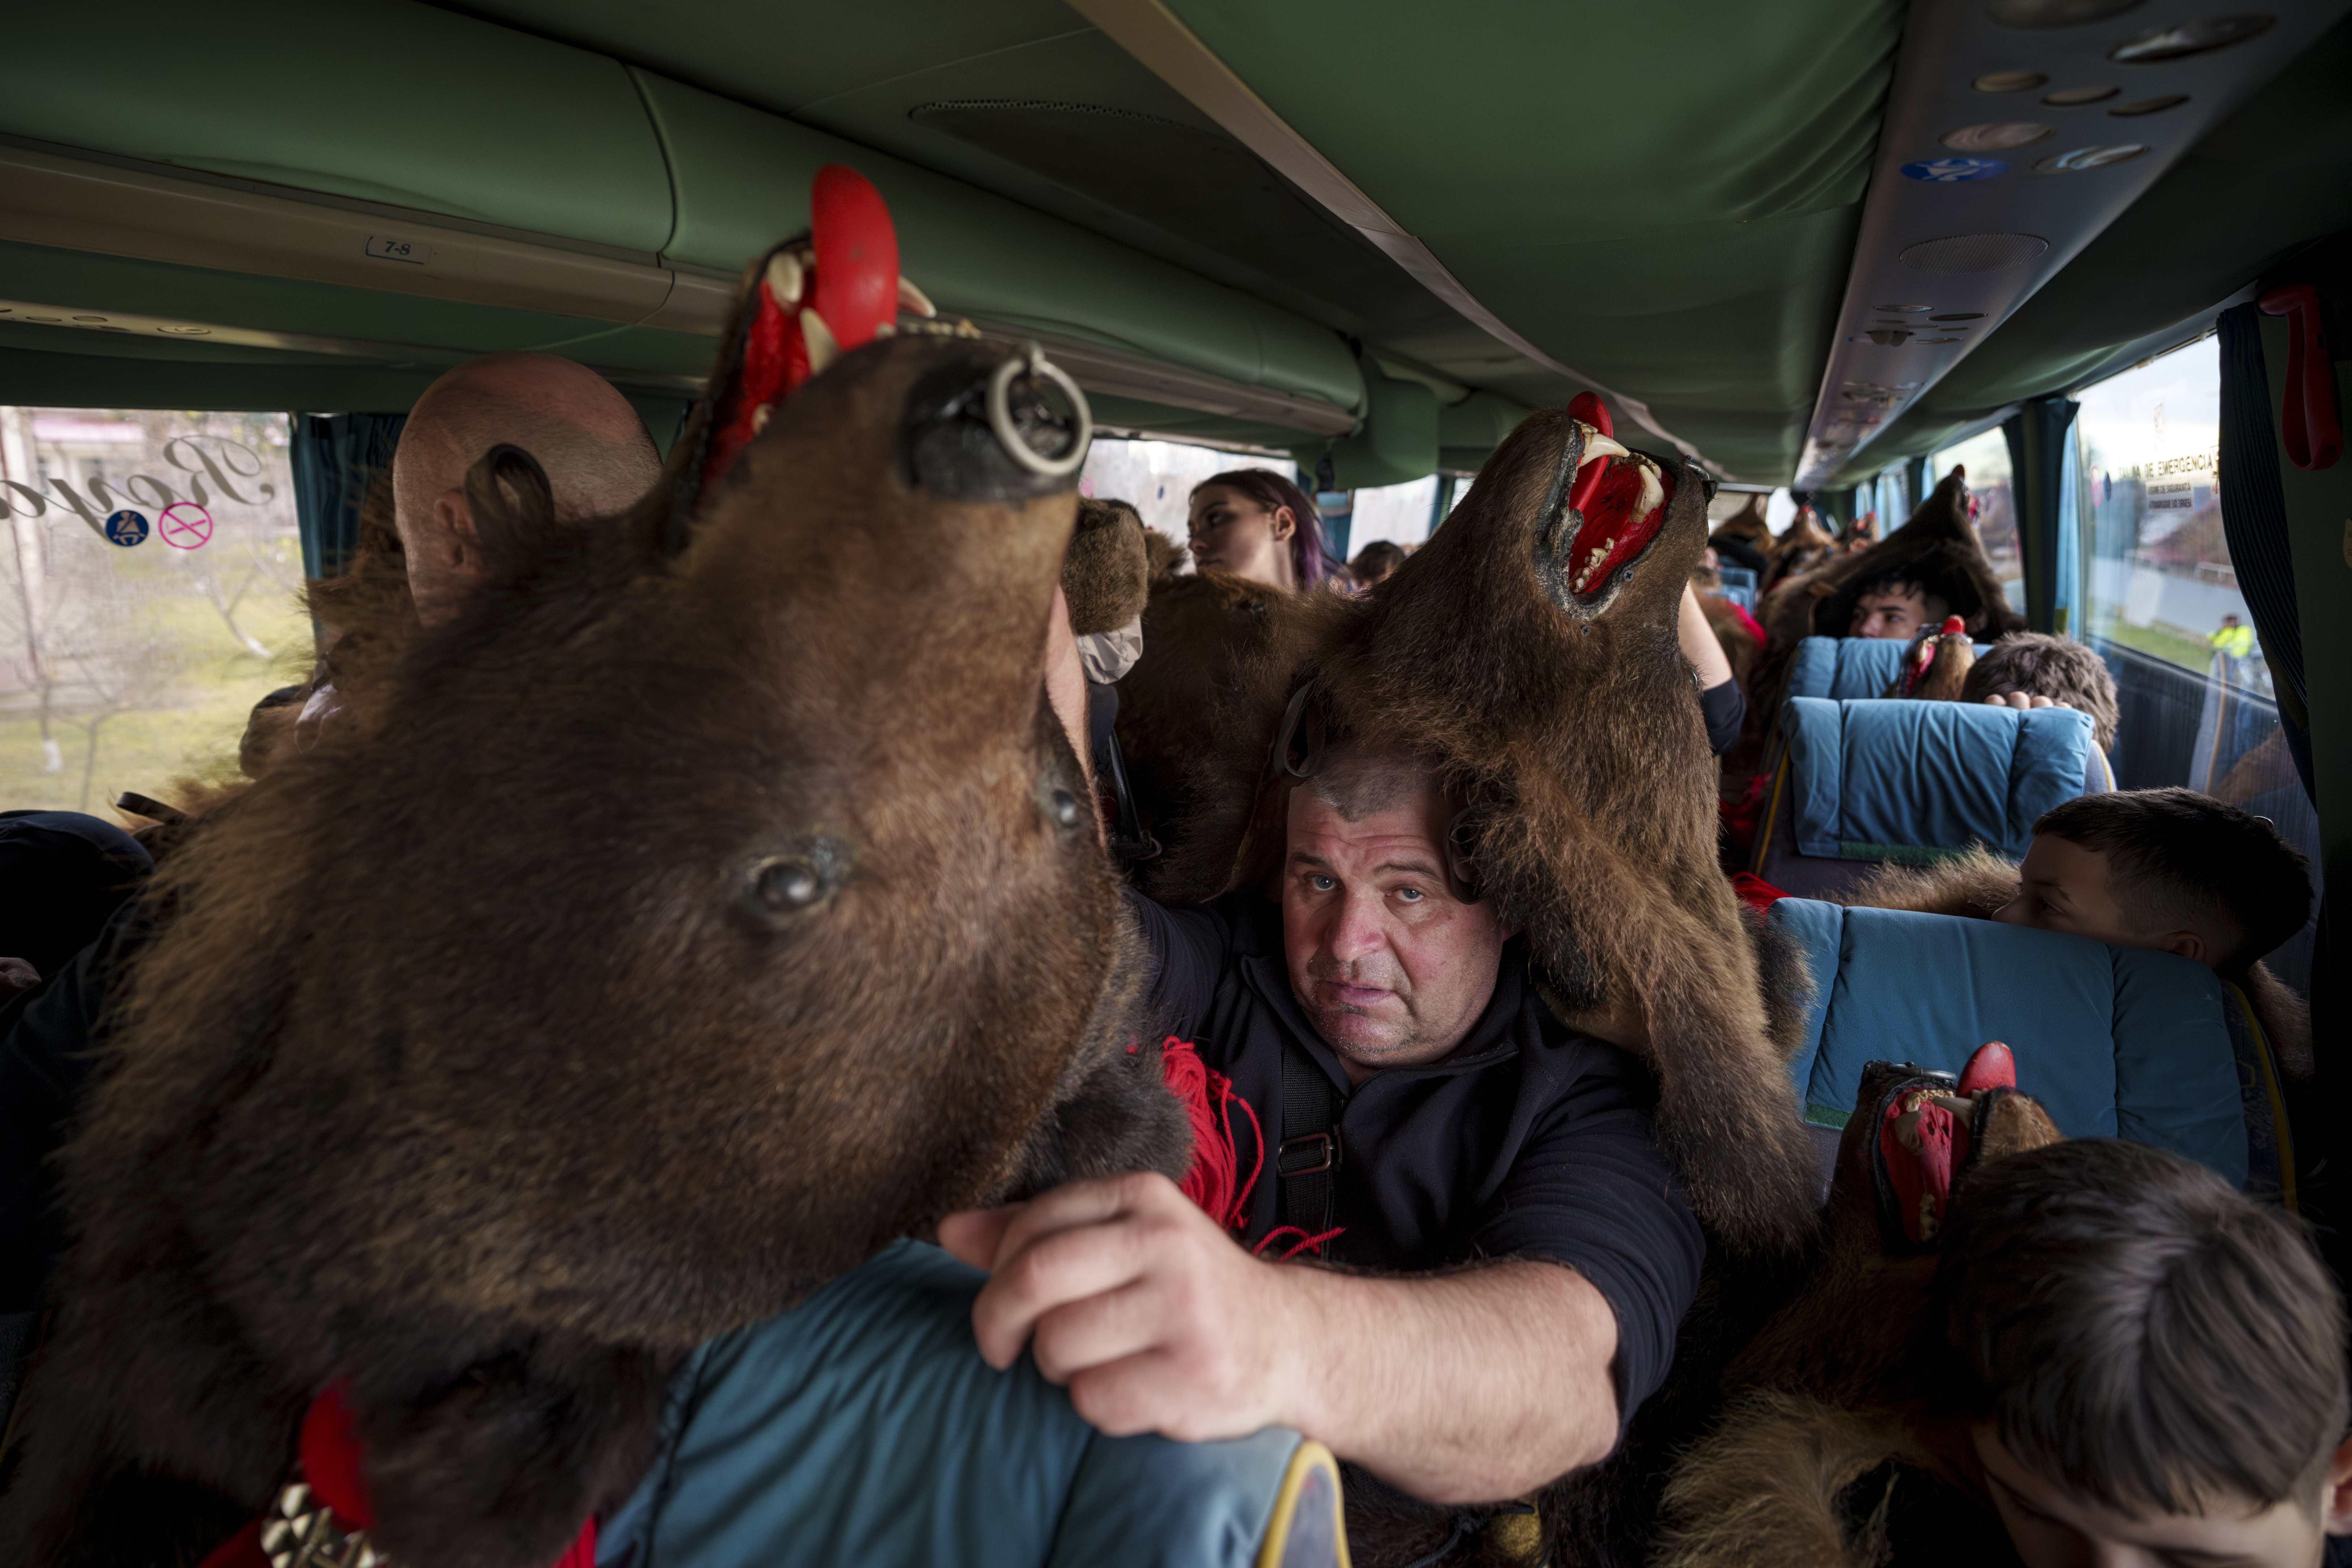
<point>1463,1387</point>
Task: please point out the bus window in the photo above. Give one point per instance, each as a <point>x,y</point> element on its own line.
<point>149,576</point>
<point>2163,604</point>
<point>1986,457</point>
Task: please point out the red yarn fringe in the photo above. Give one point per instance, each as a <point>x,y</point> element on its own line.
<point>1305,1243</point>
<point>1214,1181</point>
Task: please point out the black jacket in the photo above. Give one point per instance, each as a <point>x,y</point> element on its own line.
<point>1529,1140</point>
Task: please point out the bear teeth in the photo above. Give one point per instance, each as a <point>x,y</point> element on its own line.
<point>1592,563</point>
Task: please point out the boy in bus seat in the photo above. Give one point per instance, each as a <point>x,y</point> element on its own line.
<point>2109,1357</point>
<point>1934,565</point>
<point>2166,868</point>
<point>2037,670</point>
<point>435,553</point>
<point>1896,607</point>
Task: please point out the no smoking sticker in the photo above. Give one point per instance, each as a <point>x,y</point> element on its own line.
<point>127,527</point>
<point>185,525</point>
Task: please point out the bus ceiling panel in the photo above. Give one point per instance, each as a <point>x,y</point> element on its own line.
<point>117,210</point>
<point>2269,181</point>
<point>226,261</point>
<point>90,282</point>
<point>387,101</point>
<point>1162,40</point>
<point>2006,150</point>
<point>1022,100</point>
<point>742,178</point>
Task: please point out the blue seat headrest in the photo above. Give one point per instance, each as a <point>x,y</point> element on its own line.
<point>1839,667</point>
<point>2115,1042</point>
<point>1891,780</point>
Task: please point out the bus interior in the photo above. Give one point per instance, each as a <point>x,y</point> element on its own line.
<point>2098,253</point>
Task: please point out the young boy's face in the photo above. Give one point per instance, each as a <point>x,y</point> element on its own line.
<point>2053,1527</point>
<point>2064,887</point>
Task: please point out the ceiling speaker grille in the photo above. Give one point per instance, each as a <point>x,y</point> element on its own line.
<point>1974,253</point>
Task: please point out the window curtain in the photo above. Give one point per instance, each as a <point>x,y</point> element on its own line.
<point>2067,614</point>
<point>2039,436</point>
<point>2253,521</point>
<point>335,456</point>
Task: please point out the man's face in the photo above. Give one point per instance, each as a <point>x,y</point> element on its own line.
<point>1391,968</point>
<point>2064,887</point>
<point>2052,1527</point>
<point>1898,614</point>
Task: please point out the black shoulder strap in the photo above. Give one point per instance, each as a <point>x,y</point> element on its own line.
<point>1308,1159</point>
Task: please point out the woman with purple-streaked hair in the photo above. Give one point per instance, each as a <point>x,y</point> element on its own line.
<point>1254,523</point>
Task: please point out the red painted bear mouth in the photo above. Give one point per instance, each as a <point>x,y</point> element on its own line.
<point>1616,506</point>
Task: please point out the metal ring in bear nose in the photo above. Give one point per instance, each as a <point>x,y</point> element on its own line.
<point>1031,361</point>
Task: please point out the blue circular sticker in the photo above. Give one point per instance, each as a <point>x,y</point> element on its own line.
<point>127,527</point>
<point>1952,171</point>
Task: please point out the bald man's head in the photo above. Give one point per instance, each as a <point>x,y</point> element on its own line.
<point>593,446</point>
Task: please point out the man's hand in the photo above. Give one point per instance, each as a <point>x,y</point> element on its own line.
<point>1133,1298</point>
<point>1459,1387</point>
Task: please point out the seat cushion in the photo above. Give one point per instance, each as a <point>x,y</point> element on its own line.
<point>2115,1042</point>
<point>1879,780</point>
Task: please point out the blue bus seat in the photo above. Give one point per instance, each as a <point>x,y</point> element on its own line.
<point>1837,668</point>
<point>2115,1042</point>
<point>1864,781</point>
<point>1738,585</point>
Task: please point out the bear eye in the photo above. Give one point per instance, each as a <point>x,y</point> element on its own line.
<point>790,884</point>
<point>798,880</point>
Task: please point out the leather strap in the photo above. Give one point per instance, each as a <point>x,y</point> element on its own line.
<point>1306,1162</point>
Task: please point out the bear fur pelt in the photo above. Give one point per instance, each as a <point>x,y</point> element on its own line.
<point>1835,1385</point>
<point>1107,572</point>
<point>626,966</point>
<point>1557,708</point>
<point>1210,641</point>
<point>1805,545</point>
<point>1938,546</point>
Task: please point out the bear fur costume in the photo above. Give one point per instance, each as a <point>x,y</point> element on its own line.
<point>1567,722</point>
<point>1938,546</point>
<point>1106,574</point>
<point>1833,1388</point>
<point>618,973</point>
<point>1203,635</point>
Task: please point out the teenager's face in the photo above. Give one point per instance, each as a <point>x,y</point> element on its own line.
<point>1389,966</point>
<point>1231,532</point>
<point>2053,1528</point>
<point>1898,615</point>
<point>2062,887</point>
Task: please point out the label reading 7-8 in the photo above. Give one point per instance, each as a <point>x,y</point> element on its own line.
<point>385,249</point>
